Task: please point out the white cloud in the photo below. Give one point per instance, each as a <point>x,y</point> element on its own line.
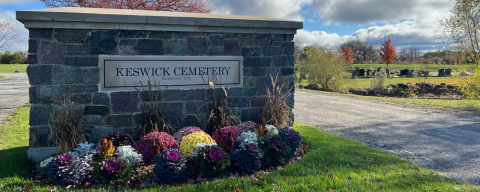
<point>9,16</point>
<point>15,2</point>
<point>280,9</point>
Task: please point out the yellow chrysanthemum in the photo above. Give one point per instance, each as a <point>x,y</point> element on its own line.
<point>190,141</point>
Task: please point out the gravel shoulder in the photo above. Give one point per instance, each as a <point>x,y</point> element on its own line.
<point>13,93</point>
<point>444,141</point>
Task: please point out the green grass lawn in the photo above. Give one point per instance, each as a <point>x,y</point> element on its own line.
<point>332,164</point>
<point>1,77</point>
<point>397,67</point>
<point>10,68</point>
<point>366,83</point>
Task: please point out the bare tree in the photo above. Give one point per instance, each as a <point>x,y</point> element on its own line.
<point>8,34</point>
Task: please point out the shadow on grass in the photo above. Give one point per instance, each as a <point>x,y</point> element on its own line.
<point>14,162</point>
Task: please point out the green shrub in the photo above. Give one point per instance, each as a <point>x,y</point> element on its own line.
<point>470,84</point>
<point>13,58</point>
<point>378,81</point>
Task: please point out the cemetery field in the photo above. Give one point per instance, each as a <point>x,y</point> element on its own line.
<point>398,67</point>
<point>332,164</point>
<point>366,83</point>
<point>10,68</point>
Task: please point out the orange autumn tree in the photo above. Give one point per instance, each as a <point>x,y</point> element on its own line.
<point>347,53</point>
<point>458,57</point>
<point>387,51</point>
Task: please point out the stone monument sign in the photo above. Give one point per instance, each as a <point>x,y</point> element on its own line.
<point>101,55</point>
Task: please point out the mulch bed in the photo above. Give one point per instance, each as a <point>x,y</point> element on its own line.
<point>144,177</point>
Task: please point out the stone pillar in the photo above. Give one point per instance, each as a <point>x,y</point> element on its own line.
<point>64,49</point>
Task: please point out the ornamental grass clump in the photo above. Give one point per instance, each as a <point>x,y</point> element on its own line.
<point>67,170</point>
<point>247,138</point>
<point>66,125</point>
<point>225,138</point>
<point>184,132</point>
<point>248,126</point>
<point>274,149</point>
<point>277,112</point>
<point>212,161</point>
<point>111,170</point>
<point>190,141</point>
<point>118,139</point>
<point>170,166</point>
<point>292,138</point>
<point>129,155</point>
<point>249,158</point>
<point>106,149</point>
<point>154,143</point>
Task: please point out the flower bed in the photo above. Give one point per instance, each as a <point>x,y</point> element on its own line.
<point>158,159</point>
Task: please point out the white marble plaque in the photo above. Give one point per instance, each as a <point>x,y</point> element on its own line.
<point>118,73</point>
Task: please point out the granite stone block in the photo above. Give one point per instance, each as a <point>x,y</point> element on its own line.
<point>173,112</point>
<point>216,40</point>
<point>32,59</point>
<point>161,34</point>
<point>83,88</point>
<point>190,120</point>
<point>249,82</point>
<point>40,114</point>
<point>195,107</point>
<point>81,98</point>
<point>291,60</point>
<point>258,101</point>
<point>176,47</point>
<point>179,35</point>
<point>88,75</point>
<point>64,74</point>
<point>33,94</point>
<point>200,94</point>
<point>96,110</point>
<point>238,101</point>
<point>39,74</point>
<point>51,52</point>
<point>257,71</point>
<point>102,42</point>
<point>257,61</point>
<point>179,95</point>
<point>287,71</point>
<point>32,46</point>
<point>273,71</point>
<point>251,51</point>
<point>270,51</point>
<point>40,33</point>
<point>127,50</point>
<point>284,37</point>
<point>236,91</point>
<point>32,138</point>
<point>132,34</point>
<point>124,102</point>
<point>215,51</point>
<point>101,99</point>
<point>251,91</point>
<point>231,35</point>
<point>127,42</point>
<point>288,48</point>
<point>48,93</point>
<point>232,47</point>
<point>71,35</point>
<point>196,45</point>
<point>264,40</point>
<point>98,132</point>
<point>280,61</point>
<point>262,84</point>
<point>246,71</point>
<point>252,114</point>
<point>246,39</point>
<point>150,47</point>
<point>77,49</point>
<point>93,119</point>
<point>82,61</point>
<point>119,120</point>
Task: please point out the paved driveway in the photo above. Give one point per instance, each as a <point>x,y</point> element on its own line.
<point>444,141</point>
<point>13,93</point>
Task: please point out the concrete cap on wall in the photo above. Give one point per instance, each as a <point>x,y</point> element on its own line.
<point>126,19</point>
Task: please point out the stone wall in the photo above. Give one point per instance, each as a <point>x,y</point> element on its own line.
<point>67,60</point>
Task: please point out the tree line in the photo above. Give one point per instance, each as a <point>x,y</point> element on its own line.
<point>18,57</point>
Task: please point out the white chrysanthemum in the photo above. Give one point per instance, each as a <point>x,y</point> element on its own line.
<point>247,138</point>
<point>201,145</point>
<point>272,130</point>
<point>129,155</point>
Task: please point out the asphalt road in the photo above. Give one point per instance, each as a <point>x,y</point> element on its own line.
<point>444,141</point>
<point>13,93</point>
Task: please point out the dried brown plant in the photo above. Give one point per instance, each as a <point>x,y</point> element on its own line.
<point>66,125</point>
<point>221,115</point>
<point>152,98</point>
<point>277,112</point>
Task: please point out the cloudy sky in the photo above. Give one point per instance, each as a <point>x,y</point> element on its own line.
<point>327,23</point>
